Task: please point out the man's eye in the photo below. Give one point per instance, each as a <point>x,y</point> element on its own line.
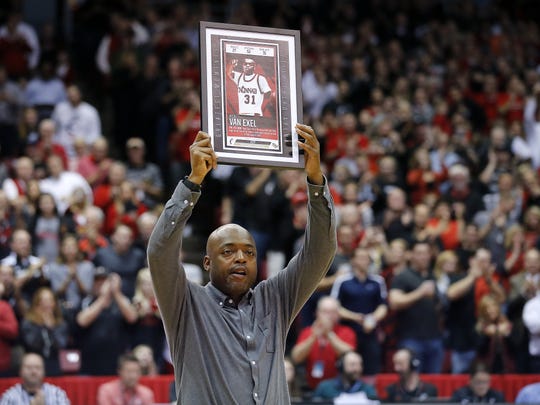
<point>250,252</point>
<point>227,252</point>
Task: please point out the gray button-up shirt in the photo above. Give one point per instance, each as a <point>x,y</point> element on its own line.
<point>227,354</point>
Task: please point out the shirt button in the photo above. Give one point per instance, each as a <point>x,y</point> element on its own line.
<point>191,204</point>
<point>316,193</point>
<point>255,395</point>
<point>221,304</point>
<point>253,362</point>
<point>172,222</point>
<point>230,301</point>
<point>186,201</point>
<point>248,337</point>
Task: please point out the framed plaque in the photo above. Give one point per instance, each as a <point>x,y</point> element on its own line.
<point>250,94</point>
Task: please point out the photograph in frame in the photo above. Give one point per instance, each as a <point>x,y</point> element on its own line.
<point>250,94</point>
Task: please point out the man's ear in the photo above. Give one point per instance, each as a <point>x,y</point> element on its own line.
<point>206,263</point>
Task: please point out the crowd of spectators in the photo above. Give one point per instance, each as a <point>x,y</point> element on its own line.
<point>428,116</point>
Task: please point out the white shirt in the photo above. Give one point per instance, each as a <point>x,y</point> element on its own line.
<point>531,319</point>
<point>10,188</point>
<point>532,130</point>
<point>16,395</point>
<point>62,188</point>
<point>76,121</point>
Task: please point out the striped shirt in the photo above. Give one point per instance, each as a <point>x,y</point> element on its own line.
<point>17,395</point>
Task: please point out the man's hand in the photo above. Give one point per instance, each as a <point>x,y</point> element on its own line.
<point>202,157</point>
<point>322,326</point>
<point>312,153</point>
<point>115,283</point>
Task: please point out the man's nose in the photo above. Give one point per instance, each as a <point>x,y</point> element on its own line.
<point>240,256</point>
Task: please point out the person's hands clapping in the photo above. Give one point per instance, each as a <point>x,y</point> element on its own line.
<point>202,157</point>
<point>116,283</point>
<point>322,326</point>
<point>428,288</point>
<point>312,153</point>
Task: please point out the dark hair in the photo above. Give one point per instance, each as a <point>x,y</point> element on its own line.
<point>414,361</point>
<point>126,358</point>
<point>478,367</point>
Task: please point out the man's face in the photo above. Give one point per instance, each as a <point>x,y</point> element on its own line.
<point>249,66</point>
<point>21,244</point>
<point>421,257</point>
<point>231,260</point>
<point>74,95</point>
<point>480,383</point>
<point>130,373</point>
<point>122,239</point>
<point>329,309</point>
<point>532,261</point>
<point>421,215</point>
<point>401,362</point>
<point>361,260</point>
<point>352,367</point>
<point>32,372</point>
<point>55,166</point>
<point>483,259</point>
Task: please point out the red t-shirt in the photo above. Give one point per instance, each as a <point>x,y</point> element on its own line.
<point>450,236</point>
<point>322,356</point>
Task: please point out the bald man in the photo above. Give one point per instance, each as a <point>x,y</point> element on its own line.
<point>227,338</point>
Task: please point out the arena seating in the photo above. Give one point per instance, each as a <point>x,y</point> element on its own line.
<point>82,390</point>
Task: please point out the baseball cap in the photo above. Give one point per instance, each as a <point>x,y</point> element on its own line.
<point>101,272</point>
<point>135,143</point>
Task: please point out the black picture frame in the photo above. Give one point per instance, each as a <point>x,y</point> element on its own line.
<point>251,94</point>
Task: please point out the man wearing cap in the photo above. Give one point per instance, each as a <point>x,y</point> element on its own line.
<point>103,321</point>
<point>146,176</point>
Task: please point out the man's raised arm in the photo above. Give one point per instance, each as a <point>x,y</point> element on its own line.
<point>166,240</point>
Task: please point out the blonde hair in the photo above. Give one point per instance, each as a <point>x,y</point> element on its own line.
<point>141,301</point>
<point>483,316</point>
<point>442,258</point>
<point>510,233</point>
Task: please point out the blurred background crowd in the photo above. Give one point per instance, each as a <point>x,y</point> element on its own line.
<point>428,117</point>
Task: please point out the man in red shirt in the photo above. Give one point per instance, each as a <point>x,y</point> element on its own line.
<point>125,389</point>
<point>321,344</point>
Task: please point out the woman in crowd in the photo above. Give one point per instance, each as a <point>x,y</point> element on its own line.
<point>44,330</point>
<point>149,328</point>
<point>494,329</point>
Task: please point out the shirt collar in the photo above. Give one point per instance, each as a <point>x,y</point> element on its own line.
<point>224,300</point>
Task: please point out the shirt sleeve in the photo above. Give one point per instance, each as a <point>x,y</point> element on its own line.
<point>168,277</point>
<point>307,268</point>
<point>263,84</point>
<point>398,283</point>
